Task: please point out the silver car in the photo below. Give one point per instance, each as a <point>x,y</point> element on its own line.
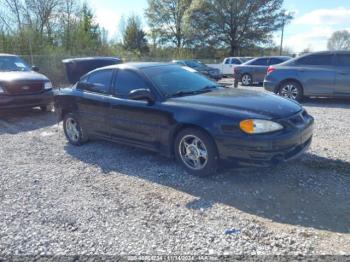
<point>254,71</point>
<point>321,74</point>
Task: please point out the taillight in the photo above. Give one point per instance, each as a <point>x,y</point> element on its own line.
<point>270,70</point>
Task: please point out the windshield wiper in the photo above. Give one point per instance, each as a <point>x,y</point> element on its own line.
<point>194,92</point>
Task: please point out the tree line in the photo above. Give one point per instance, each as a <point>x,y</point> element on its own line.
<point>205,28</point>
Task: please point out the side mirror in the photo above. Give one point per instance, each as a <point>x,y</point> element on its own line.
<point>142,94</point>
<point>35,68</point>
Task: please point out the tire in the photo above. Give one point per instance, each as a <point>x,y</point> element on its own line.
<point>47,108</point>
<point>246,80</point>
<point>73,130</point>
<point>196,146</point>
<point>291,90</point>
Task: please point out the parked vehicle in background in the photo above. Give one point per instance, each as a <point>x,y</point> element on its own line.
<point>246,59</point>
<point>77,67</point>
<point>22,86</point>
<point>226,67</point>
<point>254,71</point>
<point>322,74</point>
<point>210,72</point>
<point>167,109</point>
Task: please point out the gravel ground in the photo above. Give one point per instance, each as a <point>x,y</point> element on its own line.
<point>108,199</point>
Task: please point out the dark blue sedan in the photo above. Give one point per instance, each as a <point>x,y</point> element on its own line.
<point>167,109</point>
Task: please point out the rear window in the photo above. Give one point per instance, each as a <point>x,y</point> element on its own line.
<point>99,82</point>
<point>343,60</point>
<point>318,60</point>
<point>275,61</point>
<point>259,62</point>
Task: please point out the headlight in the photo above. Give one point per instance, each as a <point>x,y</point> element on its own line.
<point>2,90</point>
<point>259,126</point>
<point>48,85</point>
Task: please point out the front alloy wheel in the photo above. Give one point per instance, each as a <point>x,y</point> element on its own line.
<point>193,152</point>
<point>196,151</point>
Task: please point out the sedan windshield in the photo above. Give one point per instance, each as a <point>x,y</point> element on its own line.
<point>12,63</point>
<point>193,64</point>
<point>177,81</point>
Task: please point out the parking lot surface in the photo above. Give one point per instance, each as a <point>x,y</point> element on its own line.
<point>104,198</point>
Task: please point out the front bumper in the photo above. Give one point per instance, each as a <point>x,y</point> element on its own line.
<point>22,101</point>
<point>266,150</point>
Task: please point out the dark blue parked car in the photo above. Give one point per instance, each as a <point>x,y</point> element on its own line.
<point>167,109</point>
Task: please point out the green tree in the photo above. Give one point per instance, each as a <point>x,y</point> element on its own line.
<point>340,40</point>
<point>234,23</point>
<point>167,19</point>
<point>134,38</point>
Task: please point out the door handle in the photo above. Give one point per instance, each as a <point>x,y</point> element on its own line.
<point>343,73</point>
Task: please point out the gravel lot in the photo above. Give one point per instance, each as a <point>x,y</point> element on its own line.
<point>109,199</point>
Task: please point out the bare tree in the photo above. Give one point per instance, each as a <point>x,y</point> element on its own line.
<point>340,40</point>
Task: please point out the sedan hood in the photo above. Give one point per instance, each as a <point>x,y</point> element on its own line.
<point>258,103</point>
<point>22,76</point>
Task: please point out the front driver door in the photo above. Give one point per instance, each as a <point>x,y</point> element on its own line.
<point>342,86</point>
<point>133,122</point>
<point>93,103</point>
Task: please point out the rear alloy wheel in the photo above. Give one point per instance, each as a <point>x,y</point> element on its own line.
<point>291,90</point>
<point>196,151</point>
<point>246,80</point>
<point>73,130</point>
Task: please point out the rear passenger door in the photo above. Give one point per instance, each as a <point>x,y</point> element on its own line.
<point>343,74</point>
<point>317,74</point>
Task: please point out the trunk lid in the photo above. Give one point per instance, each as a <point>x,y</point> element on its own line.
<point>78,67</point>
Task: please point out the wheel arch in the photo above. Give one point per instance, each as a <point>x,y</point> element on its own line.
<point>182,126</point>
<point>289,80</point>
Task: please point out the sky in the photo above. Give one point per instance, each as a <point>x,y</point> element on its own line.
<point>314,22</point>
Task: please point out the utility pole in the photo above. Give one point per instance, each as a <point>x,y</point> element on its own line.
<point>282,36</point>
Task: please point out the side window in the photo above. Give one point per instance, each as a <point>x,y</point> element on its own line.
<point>227,61</point>
<point>343,60</point>
<point>98,82</point>
<point>318,60</point>
<point>127,81</point>
<point>235,61</point>
<point>275,61</point>
<point>260,62</point>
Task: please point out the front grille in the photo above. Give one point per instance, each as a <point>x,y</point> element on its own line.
<point>25,88</point>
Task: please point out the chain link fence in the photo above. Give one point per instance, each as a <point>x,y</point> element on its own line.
<point>54,69</point>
